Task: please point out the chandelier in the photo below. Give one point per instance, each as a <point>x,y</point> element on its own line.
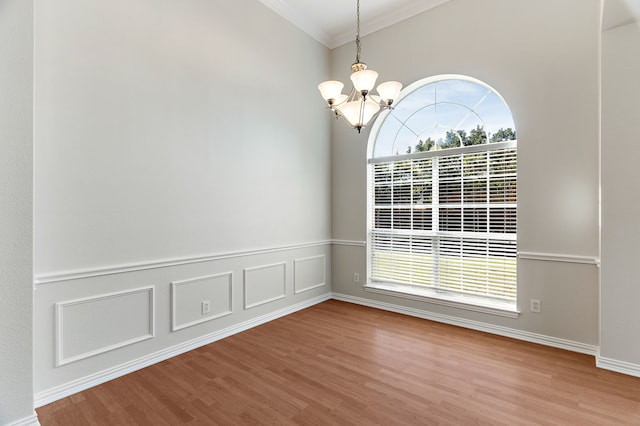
<point>359,108</point>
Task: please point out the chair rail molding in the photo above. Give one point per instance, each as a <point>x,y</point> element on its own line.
<point>353,243</point>
<point>54,277</point>
<point>556,257</point>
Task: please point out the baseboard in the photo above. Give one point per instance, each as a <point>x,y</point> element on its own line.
<point>474,325</point>
<point>623,367</point>
<point>32,420</point>
<point>50,395</point>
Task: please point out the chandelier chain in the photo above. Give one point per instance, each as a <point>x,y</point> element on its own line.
<point>358,47</point>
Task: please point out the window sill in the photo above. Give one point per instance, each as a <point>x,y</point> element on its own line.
<point>430,296</point>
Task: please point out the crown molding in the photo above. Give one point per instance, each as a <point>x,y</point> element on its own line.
<point>300,20</point>
<point>372,25</point>
<point>333,40</point>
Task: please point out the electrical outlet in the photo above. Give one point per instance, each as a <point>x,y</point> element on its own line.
<point>206,306</point>
<point>356,277</point>
<point>535,306</point>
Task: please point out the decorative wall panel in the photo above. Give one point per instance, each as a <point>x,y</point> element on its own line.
<point>97,324</point>
<point>308,273</point>
<point>264,284</point>
<point>188,296</point>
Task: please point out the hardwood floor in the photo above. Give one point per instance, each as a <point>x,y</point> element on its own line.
<point>344,364</point>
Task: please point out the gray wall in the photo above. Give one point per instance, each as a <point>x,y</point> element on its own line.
<point>178,159</point>
<point>542,57</point>
<point>174,129</point>
<point>620,316</point>
<point>16,219</point>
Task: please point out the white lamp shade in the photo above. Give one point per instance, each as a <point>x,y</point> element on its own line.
<point>389,90</point>
<point>330,89</point>
<point>375,98</point>
<point>364,80</point>
<point>350,111</point>
<point>357,113</point>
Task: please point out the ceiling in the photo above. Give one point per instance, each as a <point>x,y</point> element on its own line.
<point>620,12</point>
<point>333,22</point>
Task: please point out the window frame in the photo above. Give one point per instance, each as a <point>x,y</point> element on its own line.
<point>408,291</point>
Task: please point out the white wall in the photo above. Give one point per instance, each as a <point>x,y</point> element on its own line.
<point>176,150</point>
<point>16,219</point>
<point>542,57</point>
<point>620,316</point>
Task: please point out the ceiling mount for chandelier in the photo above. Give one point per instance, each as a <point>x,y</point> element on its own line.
<point>359,108</point>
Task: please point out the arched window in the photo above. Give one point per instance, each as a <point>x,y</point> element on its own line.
<point>442,196</point>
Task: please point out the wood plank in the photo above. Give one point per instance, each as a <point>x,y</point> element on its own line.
<point>339,363</point>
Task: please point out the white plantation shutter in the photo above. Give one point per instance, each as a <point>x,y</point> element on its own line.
<point>446,220</point>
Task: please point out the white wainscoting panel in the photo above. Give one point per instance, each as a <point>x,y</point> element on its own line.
<point>308,273</point>
<point>187,297</point>
<point>87,381</point>
<point>264,284</point>
<point>97,324</point>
